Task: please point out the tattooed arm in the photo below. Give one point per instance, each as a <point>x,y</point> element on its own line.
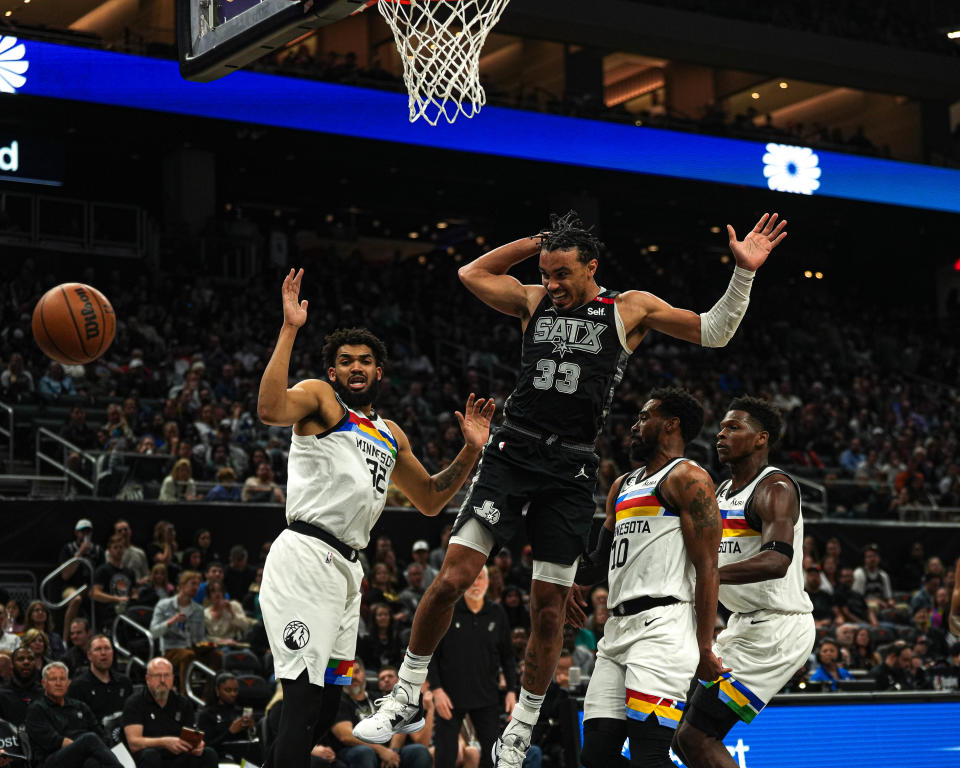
<point>431,494</point>
<point>691,491</point>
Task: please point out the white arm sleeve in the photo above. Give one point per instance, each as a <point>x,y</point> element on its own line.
<point>719,324</point>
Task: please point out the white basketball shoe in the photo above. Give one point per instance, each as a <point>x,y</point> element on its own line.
<point>509,751</point>
<point>394,715</point>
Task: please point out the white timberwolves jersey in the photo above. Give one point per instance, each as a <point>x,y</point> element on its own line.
<point>338,480</point>
<point>649,557</point>
<point>741,539</point>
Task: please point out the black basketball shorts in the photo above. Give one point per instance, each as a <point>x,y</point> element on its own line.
<point>552,485</point>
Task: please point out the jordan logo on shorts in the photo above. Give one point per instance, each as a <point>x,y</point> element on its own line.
<point>488,512</point>
<point>296,635</point>
<point>582,473</point>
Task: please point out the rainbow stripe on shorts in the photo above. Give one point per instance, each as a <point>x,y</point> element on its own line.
<point>339,672</point>
<point>737,696</point>
<point>641,705</point>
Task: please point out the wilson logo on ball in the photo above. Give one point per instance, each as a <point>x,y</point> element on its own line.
<point>90,325</point>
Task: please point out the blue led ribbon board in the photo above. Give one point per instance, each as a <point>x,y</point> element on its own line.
<point>100,77</point>
<point>849,735</point>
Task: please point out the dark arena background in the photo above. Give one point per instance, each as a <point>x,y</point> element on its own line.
<point>186,203</point>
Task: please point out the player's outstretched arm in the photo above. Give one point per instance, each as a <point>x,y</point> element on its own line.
<point>430,494</point>
<point>276,404</point>
<point>486,278</point>
<point>691,490</point>
<point>593,568</point>
<point>641,310</point>
<point>777,505</point>
<point>589,573</point>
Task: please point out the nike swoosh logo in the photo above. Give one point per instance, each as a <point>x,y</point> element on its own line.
<point>648,622</point>
<point>754,621</point>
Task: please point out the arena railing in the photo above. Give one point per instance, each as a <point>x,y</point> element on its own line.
<point>129,653</point>
<point>7,432</point>
<point>814,496</point>
<point>208,674</point>
<point>74,225</point>
<point>853,493</point>
<point>86,588</point>
<point>44,435</point>
<point>926,514</point>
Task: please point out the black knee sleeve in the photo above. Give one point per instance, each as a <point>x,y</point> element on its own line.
<point>329,706</point>
<point>304,704</point>
<point>706,713</point>
<point>603,739</point>
<point>649,743</point>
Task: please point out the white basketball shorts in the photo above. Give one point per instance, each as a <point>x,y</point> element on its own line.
<point>645,664</point>
<point>310,598</point>
<point>763,649</point>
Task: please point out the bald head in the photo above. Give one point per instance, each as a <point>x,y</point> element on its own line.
<point>159,679</point>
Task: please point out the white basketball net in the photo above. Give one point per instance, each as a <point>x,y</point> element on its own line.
<point>440,43</point>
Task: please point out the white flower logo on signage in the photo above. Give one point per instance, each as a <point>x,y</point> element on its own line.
<point>12,65</point>
<point>791,169</point>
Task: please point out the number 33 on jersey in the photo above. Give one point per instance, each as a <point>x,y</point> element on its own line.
<point>571,363</point>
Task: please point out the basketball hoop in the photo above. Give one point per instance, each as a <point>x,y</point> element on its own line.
<point>439,43</point>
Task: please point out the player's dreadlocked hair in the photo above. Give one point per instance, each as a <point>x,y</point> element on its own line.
<point>680,403</point>
<point>763,413</point>
<point>352,336</point>
<point>568,232</point>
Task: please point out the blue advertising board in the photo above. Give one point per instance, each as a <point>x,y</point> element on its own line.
<point>101,77</point>
<point>860,735</point>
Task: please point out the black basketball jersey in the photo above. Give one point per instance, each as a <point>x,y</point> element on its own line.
<point>571,362</point>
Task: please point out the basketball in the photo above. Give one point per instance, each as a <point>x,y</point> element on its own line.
<point>74,323</point>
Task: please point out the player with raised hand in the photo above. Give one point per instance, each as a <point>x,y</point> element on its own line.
<point>771,632</point>
<point>343,455</point>
<point>540,468</point>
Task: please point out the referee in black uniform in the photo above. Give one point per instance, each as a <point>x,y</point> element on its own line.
<point>465,671</point>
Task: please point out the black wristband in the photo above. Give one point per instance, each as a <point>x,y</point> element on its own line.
<point>779,546</point>
<point>593,567</point>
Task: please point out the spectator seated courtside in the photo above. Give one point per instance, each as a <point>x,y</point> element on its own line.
<point>64,732</point>
<point>154,721</point>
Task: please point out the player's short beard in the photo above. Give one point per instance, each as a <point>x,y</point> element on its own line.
<point>359,399</point>
<point>641,450</point>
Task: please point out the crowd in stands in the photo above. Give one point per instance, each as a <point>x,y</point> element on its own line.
<point>880,620</point>
<point>170,411</point>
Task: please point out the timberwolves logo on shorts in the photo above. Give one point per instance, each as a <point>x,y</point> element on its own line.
<point>296,635</point>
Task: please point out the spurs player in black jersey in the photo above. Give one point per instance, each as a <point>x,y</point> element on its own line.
<point>577,337</point>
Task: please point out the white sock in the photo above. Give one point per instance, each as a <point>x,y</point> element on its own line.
<point>525,715</point>
<point>412,674</point>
